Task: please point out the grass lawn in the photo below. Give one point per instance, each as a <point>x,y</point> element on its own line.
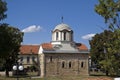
<point>94,76</point>
<point>62,78</point>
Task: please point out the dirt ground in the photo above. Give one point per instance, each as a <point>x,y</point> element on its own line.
<point>99,79</point>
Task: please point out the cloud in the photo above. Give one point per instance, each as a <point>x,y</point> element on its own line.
<point>32,28</point>
<point>88,36</point>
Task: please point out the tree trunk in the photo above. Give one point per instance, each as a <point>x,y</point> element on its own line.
<point>106,72</point>
<point>7,72</point>
<point>7,67</point>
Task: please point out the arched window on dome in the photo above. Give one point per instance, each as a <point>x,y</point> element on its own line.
<point>64,36</point>
<point>57,35</point>
<point>71,36</point>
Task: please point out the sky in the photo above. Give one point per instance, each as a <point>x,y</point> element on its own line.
<point>37,18</point>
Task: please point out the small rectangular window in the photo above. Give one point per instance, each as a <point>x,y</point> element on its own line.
<point>33,58</point>
<point>28,59</point>
<point>21,59</point>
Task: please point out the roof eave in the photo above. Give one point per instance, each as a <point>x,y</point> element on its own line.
<point>85,52</point>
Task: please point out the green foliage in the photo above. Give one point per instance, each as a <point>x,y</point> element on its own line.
<point>109,10</point>
<point>105,51</point>
<point>10,43</point>
<point>11,39</point>
<point>3,9</point>
<point>97,45</point>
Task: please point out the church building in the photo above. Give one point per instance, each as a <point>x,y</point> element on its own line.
<point>61,56</point>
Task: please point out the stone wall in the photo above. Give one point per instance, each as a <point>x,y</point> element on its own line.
<point>65,64</point>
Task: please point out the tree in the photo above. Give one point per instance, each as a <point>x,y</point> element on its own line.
<point>109,10</point>
<point>3,9</point>
<point>105,46</point>
<point>10,43</point>
<point>105,51</point>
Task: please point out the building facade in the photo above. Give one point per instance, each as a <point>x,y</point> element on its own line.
<point>29,55</point>
<point>61,56</point>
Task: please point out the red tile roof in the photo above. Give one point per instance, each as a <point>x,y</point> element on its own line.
<point>33,49</point>
<point>81,46</point>
<point>47,46</point>
<point>29,49</point>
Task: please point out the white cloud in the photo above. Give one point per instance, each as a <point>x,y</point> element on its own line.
<point>32,28</point>
<point>88,36</point>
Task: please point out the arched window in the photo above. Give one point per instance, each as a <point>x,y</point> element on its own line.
<point>56,35</point>
<point>82,64</point>
<point>63,64</point>
<point>70,65</point>
<point>64,34</point>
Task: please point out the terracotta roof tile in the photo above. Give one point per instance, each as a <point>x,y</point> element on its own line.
<point>29,49</point>
<point>47,46</point>
<point>81,46</point>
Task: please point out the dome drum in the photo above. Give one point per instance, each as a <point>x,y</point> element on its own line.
<point>62,32</point>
